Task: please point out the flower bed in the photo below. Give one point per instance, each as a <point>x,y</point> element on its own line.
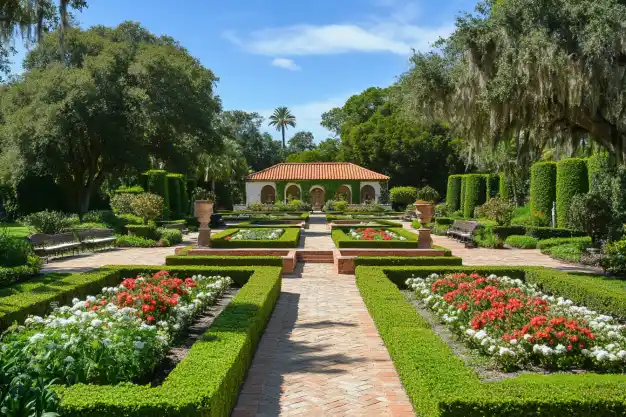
<point>374,234</point>
<point>116,336</point>
<point>518,325</point>
<point>392,237</point>
<point>256,234</point>
<point>256,238</point>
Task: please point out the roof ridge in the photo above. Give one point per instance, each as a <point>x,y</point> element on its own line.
<point>316,170</point>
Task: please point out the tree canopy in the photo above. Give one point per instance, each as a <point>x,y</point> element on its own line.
<point>281,119</point>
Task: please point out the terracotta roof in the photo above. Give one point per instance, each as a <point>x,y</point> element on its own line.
<point>316,171</point>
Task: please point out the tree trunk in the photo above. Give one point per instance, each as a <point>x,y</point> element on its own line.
<point>213,185</point>
<point>283,130</point>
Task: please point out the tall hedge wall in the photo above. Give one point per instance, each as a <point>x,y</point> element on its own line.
<point>493,185</point>
<point>462,196</point>
<point>176,185</point>
<point>571,179</point>
<point>453,194</point>
<point>505,188</point>
<point>542,188</point>
<point>475,192</point>
<point>155,181</point>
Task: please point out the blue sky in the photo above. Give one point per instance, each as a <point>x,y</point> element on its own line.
<point>309,55</point>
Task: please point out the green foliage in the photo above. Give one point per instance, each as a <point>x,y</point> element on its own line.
<point>492,185</point>
<point>444,220</point>
<point>13,251</point>
<point>342,240</point>
<point>134,189</point>
<point>289,239</point>
<point>121,203</point>
<point>521,216</point>
<point>543,233</point>
<point>281,119</point>
<point>581,242</point>
<point>542,190</point>
<point>147,231</point>
<point>453,194</point>
<point>428,193</point>
<point>503,232</point>
<point>505,187</point>
<point>462,199</point>
<point>175,185</point>
<point>592,214</point>
<point>415,224</point>
<point>498,210</point>
<point>475,189</point>
<point>224,260</point>
<point>173,236</point>
<point>571,179</point>
<point>49,222</point>
<point>406,260</point>
<point>521,241</point>
<point>148,206</point>
<point>135,242</point>
<point>156,183</point>
<point>402,196</point>
<point>24,271</point>
<point>571,253</point>
<point>339,206</point>
<point>614,261</point>
<point>200,193</point>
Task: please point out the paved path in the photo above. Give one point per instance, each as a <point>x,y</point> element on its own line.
<point>317,236</point>
<point>321,355</point>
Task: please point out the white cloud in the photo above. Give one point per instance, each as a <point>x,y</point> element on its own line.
<point>286,64</point>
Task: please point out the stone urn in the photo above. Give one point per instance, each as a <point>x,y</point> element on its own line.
<point>202,210</point>
<point>424,211</point>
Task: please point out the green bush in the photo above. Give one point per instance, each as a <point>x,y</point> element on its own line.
<point>135,242</point>
<point>175,183</point>
<point>133,189</point>
<point>342,240</point>
<point>50,222</point>
<point>582,242</point>
<point>521,216</point>
<point>475,189</point>
<point>174,236</point>
<point>505,187</point>
<point>492,186</point>
<point>407,260</point>
<point>148,231</point>
<point>567,253</point>
<point>10,275</point>
<point>401,196</point>
<point>289,239</point>
<point>13,251</point>
<point>542,190</point>
<point>592,214</point>
<point>428,194</point>
<point>148,206</point>
<point>498,210</point>
<point>415,224</point>
<point>224,260</point>
<point>521,241</point>
<point>503,232</point>
<point>453,193</point>
<point>441,221</point>
<point>98,216</point>
<point>121,203</point>
<point>571,179</point>
<point>462,199</point>
<point>614,261</point>
<point>156,182</point>
<point>543,233</point>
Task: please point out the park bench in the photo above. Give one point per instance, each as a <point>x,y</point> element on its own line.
<point>96,238</point>
<point>462,230</point>
<point>46,245</point>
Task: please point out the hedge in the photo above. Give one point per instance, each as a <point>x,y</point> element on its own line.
<point>224,260</point>
<point>274,224</point>
<point>550,232</point>
<point>571,179</point>
<point>505,188</point>
<point>453,193</point>
<point>462,197</point>
<point>475,189</point>
<point>403,195</point>
<point>443,221</point>
<point>208,380</point>
<point>558,241</point>
<point>440,384</point>
<point>155,181</point>
<point>492,182</point>
<point>289,239</point>
<point>176,187</point>
<point>143,230</point>
<point>542,189</point>
<point>521,241</point>
<point>407,260</point>
<point>342,240</point>
<point>503,232</point>
<point>14,274</point>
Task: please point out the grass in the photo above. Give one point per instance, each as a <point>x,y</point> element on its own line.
<point>521,215</point>
<point>14,230</point>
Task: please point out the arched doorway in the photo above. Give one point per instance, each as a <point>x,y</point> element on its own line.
<point>292,193</point>
<point>268,194</point>
<point>368,194</point>
<point>344,193</point>
<point>317,197</point>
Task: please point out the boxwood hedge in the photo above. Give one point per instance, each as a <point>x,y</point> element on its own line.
<point>224,260</point>
<point>155,181</point>
<point>342,240</point>
<point>542,188</point>
<point>571,179</point>
<point>440,384</point>
<point>407,260</point>
<point>505,187</point>
<point>462,197</point>
<point>453,194</point>
<point>289,239</point>
<point>475,193</point>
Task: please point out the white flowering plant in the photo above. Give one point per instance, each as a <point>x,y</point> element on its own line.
<point>256,234</point>
<point>518,325</point>
<point>118,335</point>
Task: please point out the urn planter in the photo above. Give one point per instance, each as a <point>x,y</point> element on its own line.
<point>203,210</point>
<point>424,211</point>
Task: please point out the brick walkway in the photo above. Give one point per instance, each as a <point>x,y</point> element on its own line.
<point>321,355</point>
<point>317,236</point>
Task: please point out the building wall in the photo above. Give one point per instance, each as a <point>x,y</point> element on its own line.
<point>253,191</point>
<point>375,185</point>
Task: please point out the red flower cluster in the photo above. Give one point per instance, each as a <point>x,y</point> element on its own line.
<point>554,331</point>
<point>373,234</point>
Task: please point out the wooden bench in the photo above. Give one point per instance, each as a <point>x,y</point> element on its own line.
<point>46,245</point>
<point>462,230</point>
<point>96,238</point>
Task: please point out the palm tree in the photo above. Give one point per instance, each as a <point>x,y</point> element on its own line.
<point>228,166</point>
<point>281,118</point>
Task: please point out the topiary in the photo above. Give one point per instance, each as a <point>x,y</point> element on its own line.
<point>475,188</point>
<point>542,192</point>
<point>498,210</point>
<point>148,206</point>
<point>453,192</point>
<point>571,179</point>
<point>521,242</point>
<point>428,194</point>
<point>401,196</point>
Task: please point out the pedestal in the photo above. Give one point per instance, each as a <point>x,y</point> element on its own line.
<point>424,240</point>
<point>204,237</point>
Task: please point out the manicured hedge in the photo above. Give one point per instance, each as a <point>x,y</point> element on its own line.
<point>155,181</point>
<point>521,241</point>
<point>550,232</point>
<point>503,232</point>
<point>176,186</point>
<point>143,230</point>
<point>342,240</point>
<point>440,384</point>
<point>208,380</point>
<point>272,224</point>
<point>558,241</point>
<point>542,188</point>
<point>571,179</point>
<point>453,194</point>
<point>475,192</point>
<point>462,197</point>
<point>289,239</point>
<point>443,221</point>
<point>492,182</point>
<point>14,274</point>
<point>505,187</point>
<point>224,260</point>
<point>407,260</point>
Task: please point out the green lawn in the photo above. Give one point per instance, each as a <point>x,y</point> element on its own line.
<point>14,229</point>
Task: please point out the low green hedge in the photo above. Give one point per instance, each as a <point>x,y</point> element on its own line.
<point>551,232</point>
<point>143,230</point>
<point>443,221</point>
<point>549,243</point>
<point>407,260</point>
<point>342,240</point>
<point>273,224</point>
<point>224,260</point>
<point>503,232</point>
<point>14,274</point>
<point>440,384</point>
<point>521,241</point>
<point>208,380</point>
<point>289,239</point>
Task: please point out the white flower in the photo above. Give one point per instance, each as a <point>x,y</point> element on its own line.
<point>75,301</point>
<point>139,344</point>
<point>96,323</point>
<point>69,359</point>
<point>106,341</point>
<point>36,337</point>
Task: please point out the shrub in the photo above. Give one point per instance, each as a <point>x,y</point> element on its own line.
<point>542,191</point>
<point>582,242</point>
<point>122,203</point>
<point>428,194</point>
<point>487,240</point>
<point>459,212</point>
<point>401,196</point>
<point>147,231</point>
<point>256,207</point>
<point>492,186</point>
<point>591,213</point>
<point>498,210</point>
<point>13,251</point>
<point>50,222</point>
<point>443,221</point>
<point>415,224</point>
<point>174,185</point>
<point>614,261</point>
<point>155,182</point>
<point>571,179</point>
<point>474,193</point>
<point>521,216</point>
<point>148,206</point>
<point>336,205</point>
<point>135,242</point>
<point>453,194</point>
<point>132,189</point>
<point>521,241</point>
<point>442,210</point>
<point>98,216</point>
<point>503,232</point>
<point>12,274</point>
<point>173,236</point>
<point>505,187</point>
<point>407,260</point>
<point>543,233</point>
<point>200,193</point>
<point>299,205</point>
<point>571,252</point>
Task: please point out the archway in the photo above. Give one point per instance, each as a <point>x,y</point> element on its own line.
<point>293,193</point>
<point>344,193</point>
<point>317,196</point>
<point>368,194</point>
<point>268,194</point>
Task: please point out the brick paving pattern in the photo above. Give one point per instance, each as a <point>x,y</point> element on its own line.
<point>321,355</point>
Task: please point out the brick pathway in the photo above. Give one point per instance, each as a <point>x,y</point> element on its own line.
<point>321,355</point>
<point>317,236</point>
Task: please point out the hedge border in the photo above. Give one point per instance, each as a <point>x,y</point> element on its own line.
<point>289,239</point>
<point>475,193</point>
<point>571,179</point>
<point>407,260</point>
<point>13,274</point>
<point>542,188</point>
<point>224,260</point>
<point>342,240</point>
<point>251,224</point>
<point>440,384</point>
<point>453,192</point>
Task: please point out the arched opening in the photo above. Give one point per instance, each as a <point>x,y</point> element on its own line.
<point>268,194</point>
<point>293,193</point>
<point>344,193</point>
<point>368,194</point>
<point>317,197</point>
